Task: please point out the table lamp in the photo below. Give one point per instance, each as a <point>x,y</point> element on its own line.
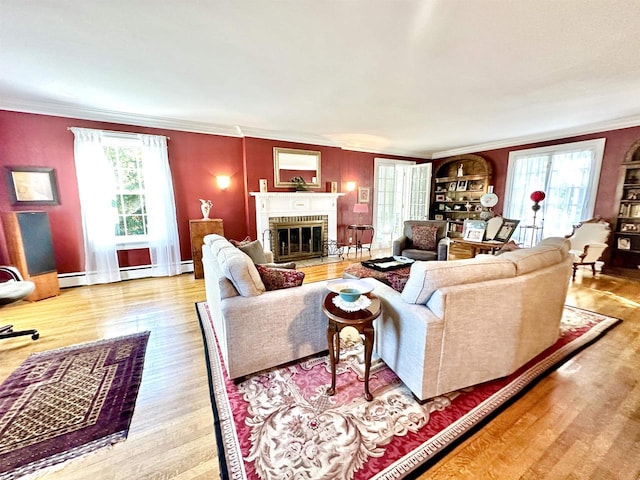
<point>360,208</point>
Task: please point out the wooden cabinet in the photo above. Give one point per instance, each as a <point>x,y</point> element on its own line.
<point>458,185</point>
<point>624,258</point>
<point>30,249</point>
<point>200,229</point>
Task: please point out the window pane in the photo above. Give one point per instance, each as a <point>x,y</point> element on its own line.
<point>135,225</point>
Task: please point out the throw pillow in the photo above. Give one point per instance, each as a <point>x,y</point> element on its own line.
<point>423,237</point>
<point>508,247</point>
<point>289,265</point>
<point>255,251</point>
<point>278,278</point>
<point>237,243</point>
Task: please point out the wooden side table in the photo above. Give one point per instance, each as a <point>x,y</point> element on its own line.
<point>200,229</point>
<point>362,321</point>
<point>358,237</point>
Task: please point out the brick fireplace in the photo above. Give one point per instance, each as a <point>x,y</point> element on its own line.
<point>296,224</point>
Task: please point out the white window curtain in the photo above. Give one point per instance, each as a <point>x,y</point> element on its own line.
<point>95,186</point>
<point>568,174</point>
<point>164,244</point>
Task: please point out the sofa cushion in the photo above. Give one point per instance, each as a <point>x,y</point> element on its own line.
<point>279,278</point>
<point>563,244</point>
<point>529,259</point>
<point>427,277</point>
<point>239,268</point>
<point>226,288</point>
<point>423,237</point>
<point>254,250</point>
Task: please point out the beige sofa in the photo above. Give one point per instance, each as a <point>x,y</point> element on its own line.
<point>463,322</point>
<point>258,329</point>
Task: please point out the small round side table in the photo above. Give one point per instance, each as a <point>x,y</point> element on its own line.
<point>362,321</point>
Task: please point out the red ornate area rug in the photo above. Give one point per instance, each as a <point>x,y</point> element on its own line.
<point>281,424</point>
<point>63,403</point>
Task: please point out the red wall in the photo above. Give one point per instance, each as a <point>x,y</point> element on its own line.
<point>616,146</point>
<point>195,161</point>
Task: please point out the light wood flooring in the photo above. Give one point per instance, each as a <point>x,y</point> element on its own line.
<point>582,421</point>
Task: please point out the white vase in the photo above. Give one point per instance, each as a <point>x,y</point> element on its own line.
<point>205,211</point>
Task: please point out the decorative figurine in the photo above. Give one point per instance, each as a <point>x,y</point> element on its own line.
<point>460,171</point>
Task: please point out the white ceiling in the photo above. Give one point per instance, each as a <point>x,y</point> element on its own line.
<point>426,78</point>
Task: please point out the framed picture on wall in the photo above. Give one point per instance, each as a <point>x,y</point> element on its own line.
<point>363,194</point>
<point>32,186</point>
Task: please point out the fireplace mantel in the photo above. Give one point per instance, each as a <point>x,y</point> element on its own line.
<point>283,204</point>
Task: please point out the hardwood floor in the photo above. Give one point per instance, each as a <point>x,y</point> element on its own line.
<point>582,421</point>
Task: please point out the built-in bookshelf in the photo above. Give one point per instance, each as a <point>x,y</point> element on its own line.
<point>625,249</point>
<point>457,187</point>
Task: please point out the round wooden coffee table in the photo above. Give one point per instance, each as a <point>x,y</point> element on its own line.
<point>362,321</point>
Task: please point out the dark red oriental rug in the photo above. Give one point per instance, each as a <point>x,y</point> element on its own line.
<point>281,424</point>
<point>60,404</point>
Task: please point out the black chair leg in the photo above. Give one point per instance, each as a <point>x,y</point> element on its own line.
<point>7,332</point>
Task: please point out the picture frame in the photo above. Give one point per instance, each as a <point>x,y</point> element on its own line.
<point>440,197</point>
<point>32,186</point>
<point>438,217</point>
<point>452,186</point>
<point>474,234</point>
<point>507,229</point>
<point>364,194</point>
<point>629,227</point>
<point>461,186</point>
<point>624,243</point>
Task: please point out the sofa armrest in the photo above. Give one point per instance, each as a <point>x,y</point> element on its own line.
<point>443,248</point>
<point>269,256</point>
<point>399,244</point>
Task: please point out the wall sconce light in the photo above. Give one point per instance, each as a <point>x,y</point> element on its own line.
<point>223,181</point>
<point>351,186</point>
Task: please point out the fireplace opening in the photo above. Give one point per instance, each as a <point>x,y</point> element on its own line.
<point>298,237</point>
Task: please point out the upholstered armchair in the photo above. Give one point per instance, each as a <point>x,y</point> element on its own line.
<point>423,240</point>
<point>588,243</point>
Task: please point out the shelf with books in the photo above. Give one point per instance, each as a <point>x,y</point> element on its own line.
<point>624,257</point>
<point>458,184</point>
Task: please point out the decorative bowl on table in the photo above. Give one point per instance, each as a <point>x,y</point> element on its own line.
<point>348,289</point>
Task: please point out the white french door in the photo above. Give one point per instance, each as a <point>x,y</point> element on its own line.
<point>402,192</point>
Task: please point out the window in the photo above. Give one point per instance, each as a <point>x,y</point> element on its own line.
<point>401,193</point>
<point>129,202</point>
<point>568,174</point>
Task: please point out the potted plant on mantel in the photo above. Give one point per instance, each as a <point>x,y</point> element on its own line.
<point>300,184</point>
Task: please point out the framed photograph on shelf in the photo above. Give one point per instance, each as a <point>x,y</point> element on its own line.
<point>474,234</point>
<point>629,227</point>
<point>438,217</point>
<point>452,186</point>
<point>33,186</point>
<point>624,243</point>
<point>461,186</point>
<point>363,194</point>
<point>440,197</point>
<point>506,230</point>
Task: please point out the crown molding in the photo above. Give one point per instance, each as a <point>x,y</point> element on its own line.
<point>99,115</point>
<point>626,122</point>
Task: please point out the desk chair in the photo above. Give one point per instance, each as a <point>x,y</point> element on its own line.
<point>12,289</point>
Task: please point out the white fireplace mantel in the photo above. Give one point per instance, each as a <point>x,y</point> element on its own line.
<point>285,204</point>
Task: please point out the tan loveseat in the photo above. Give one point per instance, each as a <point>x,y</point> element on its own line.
<point>258,329</point>
<point>463,322</point>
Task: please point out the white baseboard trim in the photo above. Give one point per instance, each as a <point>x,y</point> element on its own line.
<point>78,279</point>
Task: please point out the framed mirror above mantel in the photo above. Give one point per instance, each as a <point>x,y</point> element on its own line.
<point>290,164</point>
